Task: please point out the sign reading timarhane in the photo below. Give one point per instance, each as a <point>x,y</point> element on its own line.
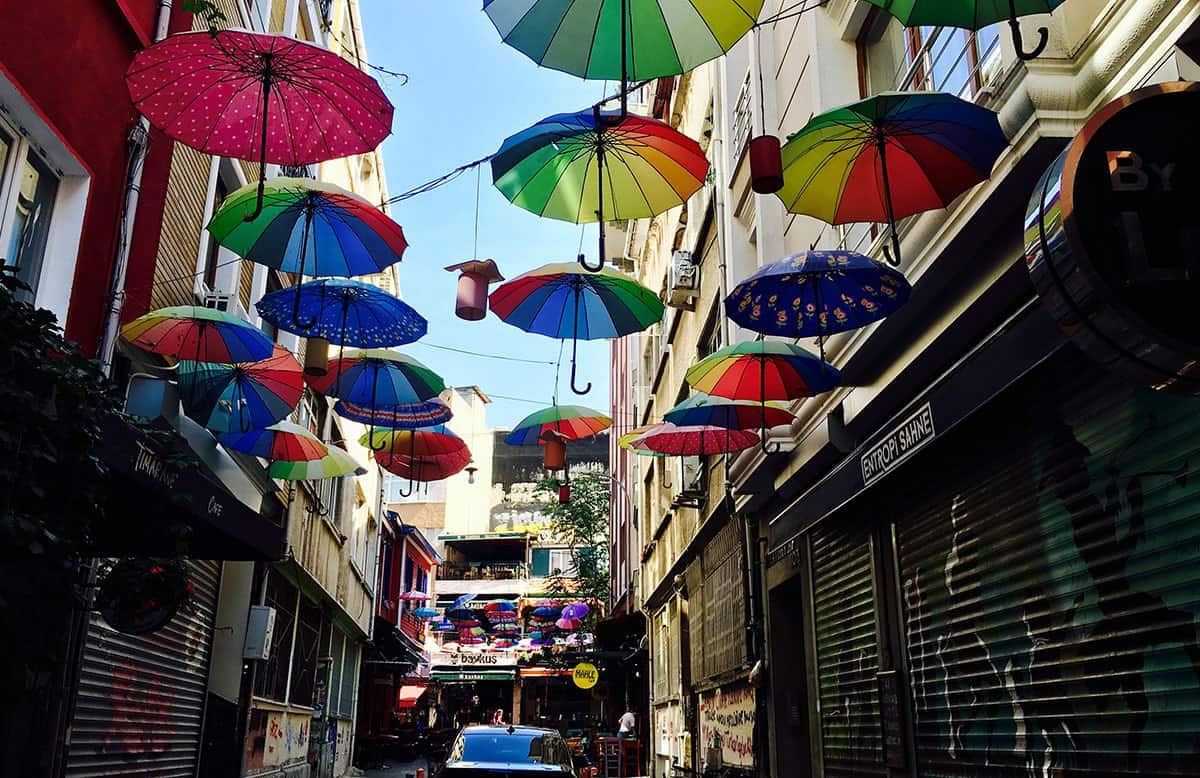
<point>901,443</point>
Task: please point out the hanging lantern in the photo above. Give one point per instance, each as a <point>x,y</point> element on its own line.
<point>564,494</point>
<point>766,165</point>
<point>554,450</point>
<point>316,357</point>
<point>472,303</point>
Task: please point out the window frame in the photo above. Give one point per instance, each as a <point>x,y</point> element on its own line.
<point>228,267</point>
<point>566,571</point>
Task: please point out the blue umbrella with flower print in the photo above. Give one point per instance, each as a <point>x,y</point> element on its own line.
<point>817,293</point>
<point>344,312</point>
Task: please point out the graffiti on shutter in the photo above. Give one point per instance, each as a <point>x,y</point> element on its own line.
<point>847,652</point>
<point>140,699</point>
<point>1051,583</point>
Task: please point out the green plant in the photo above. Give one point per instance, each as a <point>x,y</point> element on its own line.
<point>208,11</point>
<point>582,524</point>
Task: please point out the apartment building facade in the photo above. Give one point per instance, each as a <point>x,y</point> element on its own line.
<point>945,545</point>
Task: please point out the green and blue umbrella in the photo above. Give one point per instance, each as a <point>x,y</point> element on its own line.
<point>973,15</point>
<point>586,37</point>
<point>559,301</point>
<point>344,312</point>
<point>892,155</point>
<point>243,396</point>
<point>572,422</point>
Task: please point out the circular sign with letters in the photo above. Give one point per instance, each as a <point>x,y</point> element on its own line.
<point>585,675</point>
<point>1113,242</point>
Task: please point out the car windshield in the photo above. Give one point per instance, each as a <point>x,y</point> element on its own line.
<point>502,746</point>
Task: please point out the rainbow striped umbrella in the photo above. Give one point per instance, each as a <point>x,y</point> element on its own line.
<point>889,156</point>
<point>661,37</point>
<point>572,422</point>
<point>706,410</point>
<point>242,396</point>
<point>336,463</point>
<point>198,333</point>
<point>559,301</point>
<point>283,441</point>
<point>405,416</point>
<point>594,166</point>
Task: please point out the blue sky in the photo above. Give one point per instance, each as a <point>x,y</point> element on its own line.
<point>467,91</point>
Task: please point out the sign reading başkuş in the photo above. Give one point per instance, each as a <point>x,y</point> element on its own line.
<point>490,659</point>
<point>728,716</point>
<point>899,444</point>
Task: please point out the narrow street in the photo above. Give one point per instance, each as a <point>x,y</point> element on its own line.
<point>400,770</point>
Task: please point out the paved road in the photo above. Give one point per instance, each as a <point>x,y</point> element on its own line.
<point>400,770</point>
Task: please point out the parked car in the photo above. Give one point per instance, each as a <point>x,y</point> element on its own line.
<point>508,752</point>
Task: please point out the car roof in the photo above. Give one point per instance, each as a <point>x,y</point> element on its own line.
<point>505,728</point>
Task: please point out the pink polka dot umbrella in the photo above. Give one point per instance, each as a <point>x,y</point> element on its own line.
<point>260,97</point>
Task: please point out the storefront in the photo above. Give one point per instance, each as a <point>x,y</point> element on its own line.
<point>1004,578</point>
<point>474,686</point>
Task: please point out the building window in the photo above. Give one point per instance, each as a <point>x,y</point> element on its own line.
<point>942,59</point>
<point>347,696</point>
<point>561,562</point>
<point>28,188</point>
<point>212,249</point>
<point>304,658</point>
<point>271,681</point>
<point>219,270</point>
<point>337,648</point>
<point>273,285</point>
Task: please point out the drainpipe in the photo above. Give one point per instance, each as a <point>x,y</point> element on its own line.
<point>139,143</point>
<point>721,182</point>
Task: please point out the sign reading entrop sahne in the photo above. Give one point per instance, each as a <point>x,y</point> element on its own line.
<point>729,716</point>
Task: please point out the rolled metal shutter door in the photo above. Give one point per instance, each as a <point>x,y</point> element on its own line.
<point>1051,583</point>
<point>847,652</point>
<point>140,704</point>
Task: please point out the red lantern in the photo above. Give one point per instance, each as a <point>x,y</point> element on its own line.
<point>564,494</point>
<point>766,164</point>
<point>473,284</point>
<point>554,450</point>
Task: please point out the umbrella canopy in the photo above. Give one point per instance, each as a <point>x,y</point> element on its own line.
<point>425,613</point>
<point>972,15</point>
<point>705,410</point>
<point>335,464</point>
<point>443,626</point>
<point>697,440</point>
<point>576,610</point>
<point>631,441</point>
<point>428,413</point>
<point>282,441</point>
<point>499,606</point>
<point>345,313</point>
<point>257,96</point>
<point>572,422</point>
<point>241,396</point>
<point>889,156</point>
<point>426,468</point>
<point>568,624</point>
<point>559,301</point>
<point>762,370</point>
<point>593,166</point>
<point>462,614</point>
<point>547,612</point>
<point>431,441</point>
<point>662,37</point>
<point>415,596</point>
<point>377,378</point>
<point>309,227</point>
<point>198,333</point>
<point>817,293</point>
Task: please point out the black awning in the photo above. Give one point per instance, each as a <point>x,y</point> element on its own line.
<point>158,494</point>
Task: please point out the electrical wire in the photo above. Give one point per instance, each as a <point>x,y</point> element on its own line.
<point>483,354</point>
<point>790,13</point>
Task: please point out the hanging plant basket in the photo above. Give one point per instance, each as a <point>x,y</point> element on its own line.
<point>140,596</point>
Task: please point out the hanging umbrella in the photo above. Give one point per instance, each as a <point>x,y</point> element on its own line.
<point>241,396</point>
<point>595,167</point>
<point>550,613</point>
<point>889,156</point>
<point>425,613</point>
<point>576,610</point>
<point>705,410</point>
<point>631,441</point>
<point>461,600</point>
<point>567,625</point>
<point>973,15</point>
<point>461,614</point>
<point>260,97</point>
<point>377,379</point>
<point>443,626</point>
<point>427,413</point>
<point>762,370</point>
<point>343,312</point>
<point>697,441</point>
<point>198,333</point>
<point>817,293</point>
<point>571,421</point>
<point>558,301</point>
<point>429,454</point>
<point>500,606</point>
<point>415,596</point>
<point>283,440</point>
<point>660,37</point>
<point>426,468</point>
<point>335,464</point>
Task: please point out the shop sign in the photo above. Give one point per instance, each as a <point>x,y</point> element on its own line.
<point>899,444</point>
<point>727,720</point>
<point>490,659</point>
<point>585,675</point>
<point>1113,243</point>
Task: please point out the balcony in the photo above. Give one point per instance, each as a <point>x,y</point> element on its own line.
<point>482,571</point>
<point>412,627</point>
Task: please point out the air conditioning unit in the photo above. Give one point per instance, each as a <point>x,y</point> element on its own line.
<point>226,302</point>
<point>260,627</point>
<point>688,482</point>
<point>683,280</point>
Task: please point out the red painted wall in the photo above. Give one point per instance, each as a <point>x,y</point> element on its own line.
<point>69,58</point>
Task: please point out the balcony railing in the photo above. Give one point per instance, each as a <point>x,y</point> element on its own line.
<point>482,571</point>
<point>412,627</point>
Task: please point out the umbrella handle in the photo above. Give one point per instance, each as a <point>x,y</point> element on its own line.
<point>1018,43</point>
<point>599,200</point>
<point>411,488</point>
<point>262,149</point>
<point>893,260</point>
<point>371,434</point>
<point>575,349</point>
<point>308,218</point>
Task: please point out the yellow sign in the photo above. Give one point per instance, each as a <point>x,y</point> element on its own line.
<point>585,675</point>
